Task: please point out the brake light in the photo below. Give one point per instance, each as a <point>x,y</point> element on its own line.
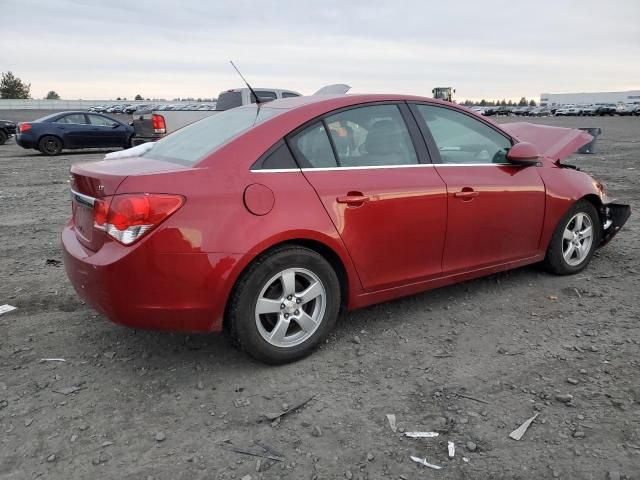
<point>159,126</point>
<point>24,127</point>
<point>128,217</point>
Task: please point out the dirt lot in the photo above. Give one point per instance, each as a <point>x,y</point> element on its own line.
<point>472,361</point>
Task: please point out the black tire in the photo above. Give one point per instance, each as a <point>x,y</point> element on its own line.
<point>554,261</point>
<point>3,137</point>
<point>241,322</point>
<point>50,145</point>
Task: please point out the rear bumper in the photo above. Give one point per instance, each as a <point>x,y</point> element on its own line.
<point>617,216</point>
<point>25,141</point>
<point>140,288</point>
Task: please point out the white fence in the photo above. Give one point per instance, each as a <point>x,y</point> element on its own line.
<point>32,104</point>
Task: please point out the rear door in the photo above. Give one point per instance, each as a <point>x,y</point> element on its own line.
<point>496,209</point>
<point>106,132</point>
<point>383,195</point>
<point>73,129</point>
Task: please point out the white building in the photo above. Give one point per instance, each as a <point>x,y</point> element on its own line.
<point>552,99</point>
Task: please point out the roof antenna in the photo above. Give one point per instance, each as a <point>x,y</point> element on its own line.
<point>253,92</point>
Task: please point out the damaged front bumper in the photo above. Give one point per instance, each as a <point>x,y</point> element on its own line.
<point>615,215</point>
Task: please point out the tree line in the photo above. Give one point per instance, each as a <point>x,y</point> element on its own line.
<point>500,103</point>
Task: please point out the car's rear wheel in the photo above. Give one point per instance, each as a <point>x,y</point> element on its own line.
<point>574,240</point>
<point>3,137</point>
<point>284,305</point>
<point>50,145</point>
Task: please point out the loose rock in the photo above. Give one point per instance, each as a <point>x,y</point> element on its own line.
<point>160,437</point>
<point>564,397</point>
<point>471,446</point>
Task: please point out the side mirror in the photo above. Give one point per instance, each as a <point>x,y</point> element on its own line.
<point>115,125</point>
<point>524,154</point>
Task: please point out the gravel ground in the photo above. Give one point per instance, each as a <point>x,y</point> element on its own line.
<point>471,361</point>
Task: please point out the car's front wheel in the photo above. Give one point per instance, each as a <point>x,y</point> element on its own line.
<point>574,240</point>
<point>50,145</point>
<point>284,305</point>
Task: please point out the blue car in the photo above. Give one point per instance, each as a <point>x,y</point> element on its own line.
<point>63,130</point>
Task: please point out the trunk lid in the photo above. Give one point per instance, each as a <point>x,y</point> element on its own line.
<point>93,180</point>
<point>556,143</point>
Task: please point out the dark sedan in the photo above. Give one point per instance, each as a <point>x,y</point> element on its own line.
<point>70,130</point>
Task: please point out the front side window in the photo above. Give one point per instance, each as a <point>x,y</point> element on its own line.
<point>101,121</point>
<point>462,139</point>
<point>73,118</point>
<point>194,142</point>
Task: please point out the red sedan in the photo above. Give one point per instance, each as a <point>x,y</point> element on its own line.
<point>267,221</point>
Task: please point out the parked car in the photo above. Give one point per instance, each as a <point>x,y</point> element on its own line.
<point>564,110</point>
<point>7,130</point>
<point>588,110</point>
<point>268,221</point>
<point>151,126</point>
<point>539,112</point>
<point>69,130</point>
<point>606,109</point>
<point>624,110</point>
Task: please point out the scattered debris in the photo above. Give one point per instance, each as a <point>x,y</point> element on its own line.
<point>519,432</point>
<point>3,404</point>
<point>573,381</point>
<point>160,437</point>
<point>391,418</point>
<point>109,355</point>
<point>69,390</point>
<point>51,458</point>
<point>266,454</point>
<point>564,397</point>
<point>465,459</point>
<point>43,360</point>
<point>451,447</point>
<point>275,416</point>
<point>6,308</point>
<point>370,457</point>
<point>242,402</point>
<point>53,262</point>
<point>469,397</point>
<point>421,434</point>
<point>317,431</point>
<point>552,297</point>
<point>471,446</point>
<point>423,461</point>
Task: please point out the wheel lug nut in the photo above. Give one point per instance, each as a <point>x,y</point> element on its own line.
<point>297,312</point>
<point>289,297</point>
<point>286,315</point>
<point>282,306</point>
<point>298,300</point>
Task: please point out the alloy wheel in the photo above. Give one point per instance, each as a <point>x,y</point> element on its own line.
<point>290,307</point>
<point>577,239</point>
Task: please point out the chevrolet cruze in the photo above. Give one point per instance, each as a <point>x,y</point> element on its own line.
<point>267,221</point>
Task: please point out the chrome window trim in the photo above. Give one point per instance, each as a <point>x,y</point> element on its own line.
<point>380,167</point>
<point>81,198</point>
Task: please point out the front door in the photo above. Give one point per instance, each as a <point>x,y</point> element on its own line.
<point>496,209</point>
<point>106,132</point>
<point>388,207</point>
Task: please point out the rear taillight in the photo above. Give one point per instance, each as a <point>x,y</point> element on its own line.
<point>128,217</point>
<point>24,127</point>
<point>158,123</point>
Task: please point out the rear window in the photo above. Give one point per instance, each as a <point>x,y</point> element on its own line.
<point>194,142</point>
<point>227,100</point>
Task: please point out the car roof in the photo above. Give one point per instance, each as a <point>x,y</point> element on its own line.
<point>345,100</point>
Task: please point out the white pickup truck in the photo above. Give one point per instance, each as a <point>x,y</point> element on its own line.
<point>154,124</point>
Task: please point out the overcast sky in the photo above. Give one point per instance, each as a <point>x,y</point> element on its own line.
<point>484,48</point>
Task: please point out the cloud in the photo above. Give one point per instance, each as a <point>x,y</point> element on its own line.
<point>490,49</point>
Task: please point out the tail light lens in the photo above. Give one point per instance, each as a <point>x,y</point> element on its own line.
<point>24,127</point>
<point>158,123</point>
<point>128,217</point>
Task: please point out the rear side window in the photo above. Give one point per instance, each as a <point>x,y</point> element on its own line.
<point>264,96</point>
<point>227,100</point>
<point>194,142</point>
<point>313,148</point>
<point>74,118</point>
<point>289,95</point>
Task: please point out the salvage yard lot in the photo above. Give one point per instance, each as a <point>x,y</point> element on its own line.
<point>471,361</point>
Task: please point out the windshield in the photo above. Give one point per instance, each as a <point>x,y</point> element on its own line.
<point>193,142</point>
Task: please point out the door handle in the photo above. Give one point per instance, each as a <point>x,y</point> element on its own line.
<point>466,194</point>
<point>353,198</point>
